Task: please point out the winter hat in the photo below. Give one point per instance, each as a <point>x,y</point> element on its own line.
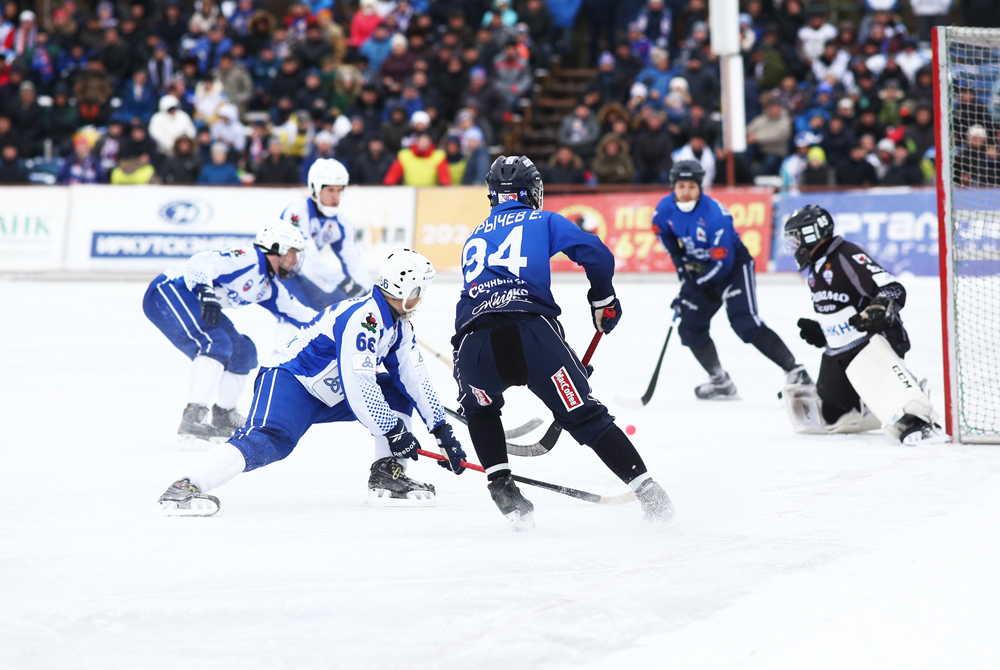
<point>398,40</point>
<point>472,134</point>
<point>679,84</point>
<point>806,139</point>
<point>606,59</point>
<point>168,102</point>
<point>324,137</point>
<point>885,145</point>
<point>478,72</point>
<point>420,118</point>
<point>825,87</point>
<point>638,90</point>
<point>816,154</point>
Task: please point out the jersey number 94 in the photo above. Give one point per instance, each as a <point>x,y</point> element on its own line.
<point>507,255</point>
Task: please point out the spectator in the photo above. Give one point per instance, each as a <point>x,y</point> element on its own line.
<point>580,131</point>
<point>928,14</point>
<point>314,48</point>
<point>795,164</point>
<point>485,97</point>
<point>289,80</point>
<point>398,65</point>
<point>837,141</point>
<point>699,121</point>
<point>334,34</point>
<point>702,82</point>
<point>397,127</point>
<point>832,66</point>
<point>220,171</point>
<point>61,120</point>
<point>697,150</point>
<point>351,145</point>
<point>161,68</point>
<point>768,137</point>
<point>501,8</point>
<point>139,143</point>
<point>564,167</point>
<point>921,131</point>
<point>83,167</point>
<point>208,100</point>
<point>884,151</point>
<point>609,81</point>
<point>41,60</point>
<point>817,172</point>
<point>654,22</point>
<point>277,168</point>
<point>856,170</point>
<point>170,123</point>
<point>323,147</point>
<point>26,33</point>
<point>7,133</point>
<point>612,164</point>
<point>363,23</point>
<point>512,73</point>
<point>905,168</point>
<point>12,170</point>
<point>423,164</point>
<point>478,162</point>
<point>133,170</point>
<point>815,35</point>
<point>455,158</point>
<point>651,149</point>
<point>26,118</point>
<point>183,165</point>
<point>657,77</point>
<point>372,166</point>
<point>312,97</point>
<point>236,81</point>
<point>347,86</point>
<point>376,49</point>
<point>229,130</point>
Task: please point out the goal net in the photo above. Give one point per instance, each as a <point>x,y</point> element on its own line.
<point>967,118</point>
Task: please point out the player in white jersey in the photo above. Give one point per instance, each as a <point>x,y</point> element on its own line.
<point>319,285</point>
<point>186,304</point>
<point>330,375</point>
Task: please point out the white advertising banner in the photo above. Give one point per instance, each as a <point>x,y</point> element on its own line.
<point>32,227</point>
<point>150,228</point>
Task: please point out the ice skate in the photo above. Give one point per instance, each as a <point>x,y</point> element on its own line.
<point>720,388</point>
<point>656,505</point>
<point>194,427</point>
<point>388,486</point>
<point>227,420</point>
<point>511,503</point>
<point>914,431</point>
<point>185,499</point>
<point>798,376</point>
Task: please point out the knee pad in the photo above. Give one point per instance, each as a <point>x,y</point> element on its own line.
<point>889,390</point>
<point>243,358</point>
<point>693,337</point>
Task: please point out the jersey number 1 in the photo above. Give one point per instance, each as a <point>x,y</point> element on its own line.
<point>511,246</point>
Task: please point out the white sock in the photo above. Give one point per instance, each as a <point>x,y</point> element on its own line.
<point>204,380</point>
<point>230,387</point>
<point>218,466</point>
<point>382,444</point>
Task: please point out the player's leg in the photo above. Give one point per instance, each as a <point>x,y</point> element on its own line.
<point>740,297</point>
<point>695,318</point>
<point>556,375</point>
<point>281,412</point>
<point>242,362</point>
<point>176,312</point>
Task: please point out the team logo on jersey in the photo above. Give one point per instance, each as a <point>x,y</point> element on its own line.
<point>861,259</point>
<point>234,253</point>
<point>828,275</point>
<point>295,220</point>
<point>265,285</point>
<point>481,396</point>
<point>248,285</point>
<point>370,324</point>
<point>702,237</point>
<point>718,253</point>
<point>812,279</point>
<point>506,197</point>
<point>570,397</point>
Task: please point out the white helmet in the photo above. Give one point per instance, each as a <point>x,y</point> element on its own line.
<point>326,172</point>
<point>277,239</point>
<point>405,275</point>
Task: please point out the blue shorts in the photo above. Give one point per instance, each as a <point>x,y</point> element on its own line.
<point>176,311</point>
<point>739,293</point>
<point>282,411</point>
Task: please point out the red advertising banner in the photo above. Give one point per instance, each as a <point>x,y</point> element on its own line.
<point>624,222</point>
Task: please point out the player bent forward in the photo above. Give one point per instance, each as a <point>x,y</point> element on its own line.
<point>506,334</point>
<point>330,376</point>
<point>857,307</point>
<point>185,304</point>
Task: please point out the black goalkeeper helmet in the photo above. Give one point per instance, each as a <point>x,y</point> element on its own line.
<point>515,178</point>
<point>805,230</point>
<point>687,171</point>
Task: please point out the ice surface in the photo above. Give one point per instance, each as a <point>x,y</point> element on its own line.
<point>790,551</point>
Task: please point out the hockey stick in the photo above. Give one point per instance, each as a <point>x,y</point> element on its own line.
<point>648,395</point>
<point>556,488</point>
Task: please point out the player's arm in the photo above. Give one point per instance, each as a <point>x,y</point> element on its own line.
<point>200,274</point>
<point>721,247</point>
<point>283,304</point>
<point>669,241</point>
<point>588,251</point>
<point>888,295</point>
<point>354,264</point>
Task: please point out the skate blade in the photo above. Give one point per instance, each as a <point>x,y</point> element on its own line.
<point>522,521</point>
<point>384,498</point>
<point>197,507</point>
<point>915,439</point>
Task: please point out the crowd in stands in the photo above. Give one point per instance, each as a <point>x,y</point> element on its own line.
<point>417,91</point>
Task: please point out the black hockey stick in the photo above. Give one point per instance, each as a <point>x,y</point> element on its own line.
<point>520,431</point>
<point>648,395</point>
<point>556,488</point>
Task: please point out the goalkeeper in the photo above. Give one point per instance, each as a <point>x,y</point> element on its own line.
<point>863,383</point>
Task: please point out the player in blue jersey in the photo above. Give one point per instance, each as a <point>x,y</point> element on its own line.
<point>186,304</point>
<point>319,285</point>
<point>714,268</point>
<point>506,334</point>
<point>330,375</point>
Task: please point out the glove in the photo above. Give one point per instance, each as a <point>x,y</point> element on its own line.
<point>350,287</point>
<point>876,317</point>
<point>710,293</point>
<point>402,444</point>
<point>694,270</point>
<point>812,332</point>
<point>606,313</point>
<point>211,306</point>
<point>450,448</point>
<point>678,303</point>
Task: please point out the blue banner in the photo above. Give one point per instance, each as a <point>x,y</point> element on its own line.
<point>161,245</point>
<point>898,227</point>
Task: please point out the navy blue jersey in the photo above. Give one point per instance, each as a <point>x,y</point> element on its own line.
<point>702,240</point>
<point>505,262</point>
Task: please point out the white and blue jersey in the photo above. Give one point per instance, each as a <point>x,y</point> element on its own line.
<point>505,263</point>
<point>703,239</point>
<point>333,231</point>
<point>336,356</point>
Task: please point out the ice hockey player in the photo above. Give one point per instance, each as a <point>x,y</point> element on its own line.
<point>186,304</point>
<point>319,285</point>
<point>857,321</point>
<point>507,335</point>
<point>330,375</point>
<point>714,268</point>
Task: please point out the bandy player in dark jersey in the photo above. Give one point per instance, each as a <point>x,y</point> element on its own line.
<point>857,306</point>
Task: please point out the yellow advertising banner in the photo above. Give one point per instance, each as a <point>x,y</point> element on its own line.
<point>445,218</point>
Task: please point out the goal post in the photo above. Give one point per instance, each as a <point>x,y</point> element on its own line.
<point>966,69</point>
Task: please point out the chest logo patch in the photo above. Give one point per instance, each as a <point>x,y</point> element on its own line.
<point>571,398</point>
<point>482,397</point>
<point>248,285</point>
<point>701,235</point>
<point>370,324</point>
<point>812,280</point>
<point>828,276</point>
<point>861,259</point>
